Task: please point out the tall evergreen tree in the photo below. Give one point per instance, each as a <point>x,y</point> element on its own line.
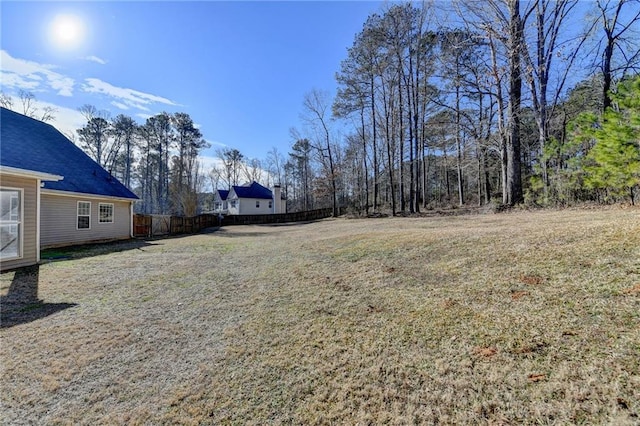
<point>124,130</point>
<point>613,164</point>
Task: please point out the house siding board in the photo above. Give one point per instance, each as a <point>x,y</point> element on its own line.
<point>231,198</point>
<point>233,210</point>
<point>58,224</point>
<point>29,220</point>
<point>248,206</point>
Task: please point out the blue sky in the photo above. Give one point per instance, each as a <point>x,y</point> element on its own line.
<point>239,69</point>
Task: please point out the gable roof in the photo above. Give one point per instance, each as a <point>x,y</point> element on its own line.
<point>222,193</point>
<point>253,190</point>
<point>30,144</point>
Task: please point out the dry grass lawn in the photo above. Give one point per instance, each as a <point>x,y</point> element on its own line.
<point>518,318</point>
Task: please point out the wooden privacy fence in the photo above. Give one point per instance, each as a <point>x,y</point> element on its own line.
<point>191,225</point>
<point>160,224</point>
<point>147,226</point>
<point>261,219</point>
<point>142,225</point>
<point>151,225</point>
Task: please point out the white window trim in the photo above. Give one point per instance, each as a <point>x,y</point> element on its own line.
<point>77,215</point>
<point>113,214</point>
<point>20,225</point>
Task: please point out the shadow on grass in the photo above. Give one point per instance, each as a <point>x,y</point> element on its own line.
<point>21,304</point>
<point>304,222</point>
<point>229,233</point>
<point>90,250</point>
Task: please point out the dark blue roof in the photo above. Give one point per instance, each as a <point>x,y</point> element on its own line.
<point>223,194</point>
<point>29,144</point>
<point>254,190</point>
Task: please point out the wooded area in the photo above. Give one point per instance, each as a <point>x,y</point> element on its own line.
<point>439,104</point>
<point>487,109</point>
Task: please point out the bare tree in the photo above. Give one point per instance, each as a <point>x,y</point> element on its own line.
<point>28,102</point>
<point>27,99</point>
<point>5,100</point>
<point>90,111</point>
<point>619,22</point>
<point>551,18</point>
<point>48,114</point>
<point>275,165</point>
<point>503,22</point>
<point>232,161</point>
<point>252,169</point>
<point>187,200</point>
<point>216,177</point>
<point>316,114</point>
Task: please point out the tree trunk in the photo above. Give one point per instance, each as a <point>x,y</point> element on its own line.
<point>514,178</point>
<point>403,205</point>
<point>364,162</point>
<point>376,186</point>
<point>458,146</point>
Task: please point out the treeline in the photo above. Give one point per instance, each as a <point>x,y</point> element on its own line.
<point>490,101</point>
<point>158,160</point>
<point>484,110</point>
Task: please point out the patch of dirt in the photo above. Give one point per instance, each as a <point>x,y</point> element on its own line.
<point>632,290</point>
<point>486,352</point>
<point>531,279</point>
<point>518,294</point>
<point>534,378</point>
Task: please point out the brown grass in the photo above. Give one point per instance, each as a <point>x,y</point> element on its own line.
<point>519,318</point>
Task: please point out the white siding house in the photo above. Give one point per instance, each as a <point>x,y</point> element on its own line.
<point>250,199</point>
<point>20,216</point>
<point>53,194</point>
<point>220,204</point>
<point>68,219</point>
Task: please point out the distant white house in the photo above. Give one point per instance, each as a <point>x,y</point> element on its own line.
<point>220,201</point>
<point>248,199</point>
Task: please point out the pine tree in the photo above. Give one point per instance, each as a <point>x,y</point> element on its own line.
<point>613,163</point>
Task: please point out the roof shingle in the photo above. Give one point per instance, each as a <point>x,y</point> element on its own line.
<point>223,193</point>
<point>26,143</point>
<point>254,190</point>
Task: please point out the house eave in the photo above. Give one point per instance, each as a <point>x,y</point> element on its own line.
<point>14,171</point>
<point>85,195</point>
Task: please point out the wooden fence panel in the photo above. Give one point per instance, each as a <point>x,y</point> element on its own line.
<point>147,226</point>
<point>142,226</point>
<point>161,224</point>
<point>277,218</point>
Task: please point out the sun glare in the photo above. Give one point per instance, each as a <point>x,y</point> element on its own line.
<point>67,31</point>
